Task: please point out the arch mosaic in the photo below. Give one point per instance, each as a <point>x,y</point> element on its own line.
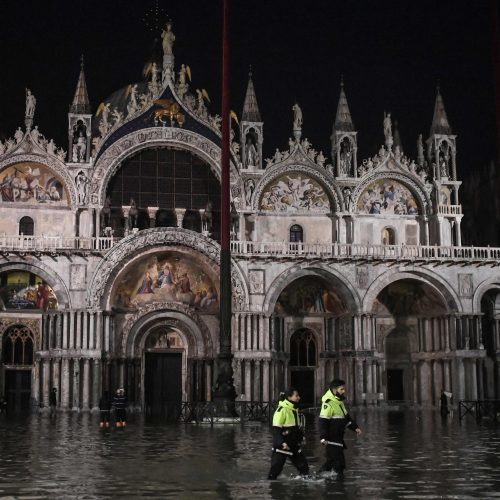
<point>109,163</point>
<point>347,291</point>
<point>132,245</point>
<point>46,273</point>
<point>421,196</point>
<point>186,319</point>
<point>334,196</point>
<point>443,287</point>
<point>483,287</point>
<point>50,162</point>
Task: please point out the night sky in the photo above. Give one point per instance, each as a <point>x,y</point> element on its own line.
<point>391,54</point>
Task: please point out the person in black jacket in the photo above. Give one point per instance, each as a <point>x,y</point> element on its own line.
<point>333,421</point>
<point>105,409</point>
<point>120,404</point>
<point>287,435</point>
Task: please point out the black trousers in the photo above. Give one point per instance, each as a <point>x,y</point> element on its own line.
<point>334,458</point>
<point>278,460</point>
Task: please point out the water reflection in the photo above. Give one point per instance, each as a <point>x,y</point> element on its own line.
<point>400,455</point>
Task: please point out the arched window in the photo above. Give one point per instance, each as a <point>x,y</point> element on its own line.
<point>296,234</point>
<point>26,226</point>
<point>302,348</point>
<point>18,346</point>
<point>388,236</point>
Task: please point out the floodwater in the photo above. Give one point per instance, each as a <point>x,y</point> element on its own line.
<point>400,455</point>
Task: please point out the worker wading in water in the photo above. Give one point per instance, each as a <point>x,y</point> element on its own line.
<point>333,420</point>
<point>288,435</point>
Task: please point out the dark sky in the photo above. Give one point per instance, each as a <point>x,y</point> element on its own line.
<point>391,54</point>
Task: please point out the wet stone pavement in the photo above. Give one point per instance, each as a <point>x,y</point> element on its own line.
<point>400,455</point>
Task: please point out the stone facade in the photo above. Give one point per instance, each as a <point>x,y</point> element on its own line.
<point>353,269</point>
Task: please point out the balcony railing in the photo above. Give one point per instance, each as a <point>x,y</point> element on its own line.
<point>450,209</point>
<point>376,252</point>
<point>273,249</point>
<point>48,243</point>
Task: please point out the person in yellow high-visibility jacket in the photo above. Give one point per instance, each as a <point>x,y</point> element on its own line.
<point>333,421</point>
<point>287,435</point>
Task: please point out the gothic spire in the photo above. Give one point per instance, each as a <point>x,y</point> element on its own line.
<point>343,120</point>
<point>251,111</point>
<point>440,124</point>
<point>80,104</point>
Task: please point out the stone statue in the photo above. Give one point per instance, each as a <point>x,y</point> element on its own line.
<point>104,123</point>
<point>82,183</point>
<point>30,104</point>
<point>154,74</point>
<point>132,105</point>
<point>106,212</point>
<point>320,159</point>
<point>252,155</point>
<point>297,117</point>
<point>277,156</point>
<point>387,127</point>
<point>168,39</point>
<point>81,146</point>
<point>249,189</point>
<point>51,147</point>
<point>235,221</point>
<point>18,135</point>
<point>35,134</point>
<point>291,144</point>
<point>133,213</point>
<point>348,198</point>
<point>206,218</point>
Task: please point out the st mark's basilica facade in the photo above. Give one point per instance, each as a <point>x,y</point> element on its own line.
<point>341,266</point>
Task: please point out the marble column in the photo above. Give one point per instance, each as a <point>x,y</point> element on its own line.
<point>96,383</point>
<point>46,381</point>
<point>237,376</point>
<point>257,381</point>
<point>208,379</point>
<point>65,382</point>
<point>56,376</point>
<point>358,367</point>
<point>86,384</point>
<point>76,383</point>
<point>472,369</point>
<point>64,332</point>
<point>265,380</point>
<point>85,330</point>
<point>248,380</point>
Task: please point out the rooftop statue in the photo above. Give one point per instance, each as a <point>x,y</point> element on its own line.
<point>168,38</point>
<point>30,104</point>
<point>297,117</point>
<point>387,126</point>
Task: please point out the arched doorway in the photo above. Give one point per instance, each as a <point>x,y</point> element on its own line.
<point>164,367</point>
<point>408,332</point>
<point>490,320</point>
<point>397,354</point>
<point>18,357</point>
<point>303,361</point>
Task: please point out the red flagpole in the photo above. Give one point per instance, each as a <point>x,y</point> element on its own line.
<point>224,389</point>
